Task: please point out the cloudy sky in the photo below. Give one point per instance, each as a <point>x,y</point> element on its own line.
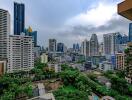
<point>70,21</point>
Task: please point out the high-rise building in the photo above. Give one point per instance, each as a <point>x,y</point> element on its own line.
<point>107,44</point>
<point>4,33</point>
<point>21,54</point>
<point>19,18</point>
<point>112,43</point>
<point>94,45</point>
<point>76,47</point>
<point>60,47</point>
<point>130,32</point>
<point>85,48</point>
<point>52,45</point>
<point>120,62</point>
<point>125,39</point>
<point>30,32</point>
<point>101,48</point>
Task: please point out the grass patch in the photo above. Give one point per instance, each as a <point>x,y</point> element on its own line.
<point>68,89</point>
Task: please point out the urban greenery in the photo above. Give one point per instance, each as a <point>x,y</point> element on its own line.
<point>74,85</point>
<point>13,86</point>
<point>88,84</point>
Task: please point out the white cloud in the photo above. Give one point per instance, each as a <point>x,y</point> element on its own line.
<point>98,15</point>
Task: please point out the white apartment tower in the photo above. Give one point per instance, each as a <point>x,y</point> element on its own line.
<point>4,33</point>
<point>21,56</point>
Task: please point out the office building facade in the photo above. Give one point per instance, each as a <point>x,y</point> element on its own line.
<point>19,18</point>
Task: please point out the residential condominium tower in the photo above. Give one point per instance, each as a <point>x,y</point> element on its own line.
<point>4,33</point>
<point>21,56</point>
<point>19,18</point>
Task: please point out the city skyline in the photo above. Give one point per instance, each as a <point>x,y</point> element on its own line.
<point>70,26</point>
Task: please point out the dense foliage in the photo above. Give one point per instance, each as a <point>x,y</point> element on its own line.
<point>88,84</point>
<point>119,83</point>
<point>42,72</point>
<point>79,90</point>
<point>12,85</point>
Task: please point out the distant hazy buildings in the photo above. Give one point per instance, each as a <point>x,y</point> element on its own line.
<point>113,43</point>
<point>21,55</point>
<point>4,33</point>
<point>37,52</point>
<point>101,48</point>
<point>85,48</point>
<point>52,45</point>
<point>76,47</point>
<point>94,45</point>
<point>19,18</point>
<point>130,32</point>
<point>60,47</point>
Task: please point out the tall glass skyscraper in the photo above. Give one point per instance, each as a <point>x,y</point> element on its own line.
<point>130,32</point>
<point>19,18</point>
<point>60,47</point>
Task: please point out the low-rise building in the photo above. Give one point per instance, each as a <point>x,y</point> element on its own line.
<point>105,66</point>
<point>107,98</point>
<point>96,59</point>
<point>55,67</point>
<point>44,58</point>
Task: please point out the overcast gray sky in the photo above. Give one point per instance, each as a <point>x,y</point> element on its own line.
<point>70,21</point>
